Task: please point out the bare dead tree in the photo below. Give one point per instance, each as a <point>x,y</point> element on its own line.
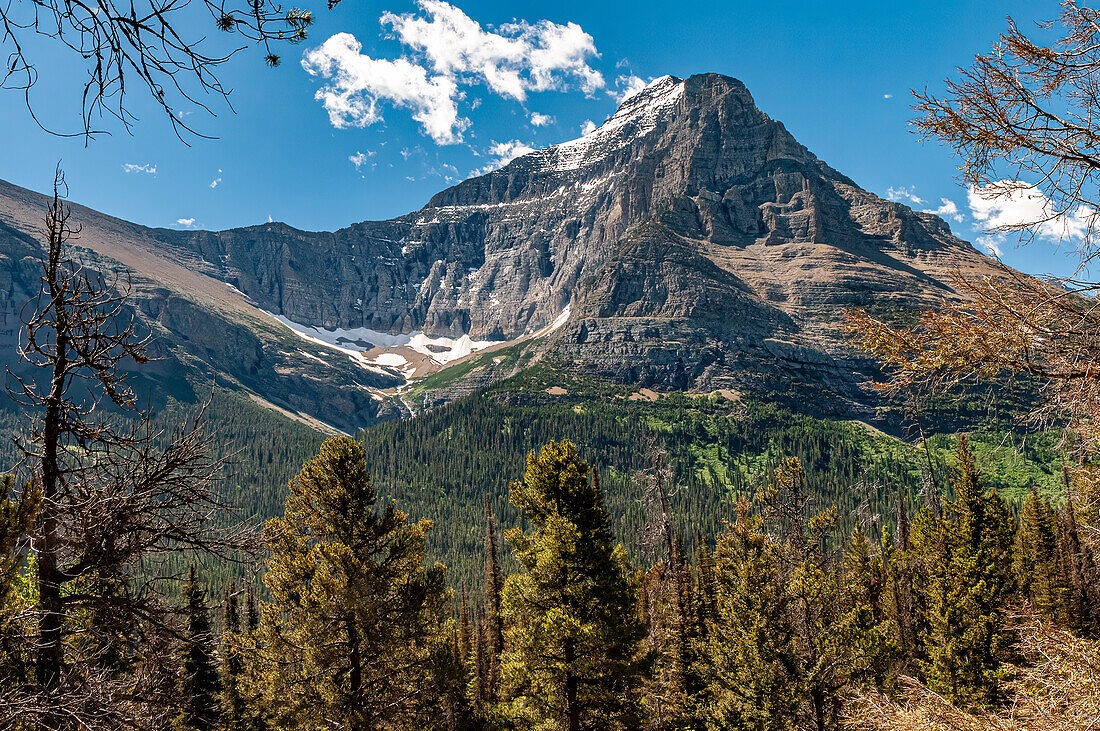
<point>118,498</point>
<point>656,481</point>
<point>153,45</point>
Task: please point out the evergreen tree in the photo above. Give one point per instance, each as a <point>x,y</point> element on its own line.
<point>232,699</point>
<point>749,657</point>
<point>465,639</point>
<point>351,636</point>
<point>251,611</point>
<point>864,629</point>
<point>898,599</point>
<point>199,686</point>
<point>571,629</point>
<point>493,623</point>
<point>1083,599</point>
<point>1038,567</point>
<point>967,554</point>
<point>705,590</point>
<point>17,577</point>
<point>479,680</point>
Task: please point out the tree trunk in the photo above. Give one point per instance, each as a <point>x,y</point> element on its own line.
<point>355,660</point>
<point>572,707</point>
<point>51,657</point>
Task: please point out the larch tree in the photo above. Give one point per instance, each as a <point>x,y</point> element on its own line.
<point>1022,119</point>
<point>571,628</point>
<point>159,51</point>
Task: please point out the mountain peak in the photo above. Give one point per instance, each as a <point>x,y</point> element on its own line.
<point>688,241</point>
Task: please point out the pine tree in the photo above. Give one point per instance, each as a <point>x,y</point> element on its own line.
<point>17,576</point>
<point>479,680</point>
<point>493,623</point>
<point>1037,565</point>
<point>749,658</point>
<point>570,622</point>
<point>898,599</point>
<point>465,639</point>
<point>864,630</point>
<point>355,618</point>
<point>199,686</point>
<point>967,554</point>
<point>232,700</point>
<point>251,611</point>
<point>1083,598</point>
<point>705,599</point>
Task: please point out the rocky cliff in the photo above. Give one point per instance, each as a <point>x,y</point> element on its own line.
<point>689,242</point>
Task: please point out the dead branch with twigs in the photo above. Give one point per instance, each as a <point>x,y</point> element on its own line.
<point>153,46</point>
<point>119,497</point>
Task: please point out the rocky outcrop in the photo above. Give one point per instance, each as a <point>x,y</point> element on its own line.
<point>693,240</point>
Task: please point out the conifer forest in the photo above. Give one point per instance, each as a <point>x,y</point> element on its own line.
<point>680,489</point>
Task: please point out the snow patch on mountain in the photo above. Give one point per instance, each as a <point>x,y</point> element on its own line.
<point>356,341</point>
<point>637,117</point>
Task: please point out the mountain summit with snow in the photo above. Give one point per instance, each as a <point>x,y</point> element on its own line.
<point>687,242</point>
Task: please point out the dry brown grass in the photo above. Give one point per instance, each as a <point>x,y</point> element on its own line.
<point>1057,689</point>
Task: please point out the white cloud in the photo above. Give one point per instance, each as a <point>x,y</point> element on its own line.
<point>131,167</point>
<point>887,96</point>
<point>947,209</point>
<point>521,57</point>
<point>991,244</point>
<point>626,87</point>
<point>904,194</point>
<point>215,181</point>
<point>354,84</point>
<point>1014,203</point>
<point>540,120</point>
<point>359,159</point>
<point>448,50</point>
<point>503,153</point>
<point>185,222</point>
<point>588,127</point>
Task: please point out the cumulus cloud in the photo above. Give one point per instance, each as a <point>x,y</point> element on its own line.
<point>503,153</point>
<point>215,181</point>
<point>131,167</point>
<point>1014,204</point>
<point>540,120</point>
<point>904,194</point>
<point>947,209</point>
<point>447,50</point>
<point>887,96</point>
<point>626,87</point>
<point>185,222</point>
<point>355,83</point>
<point>359,159</point>
<point>588,127</point>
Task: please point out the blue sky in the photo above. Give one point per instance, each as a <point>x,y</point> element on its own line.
<point>836,74</point>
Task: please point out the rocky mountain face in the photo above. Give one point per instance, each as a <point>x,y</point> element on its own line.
<point>688,242</point>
